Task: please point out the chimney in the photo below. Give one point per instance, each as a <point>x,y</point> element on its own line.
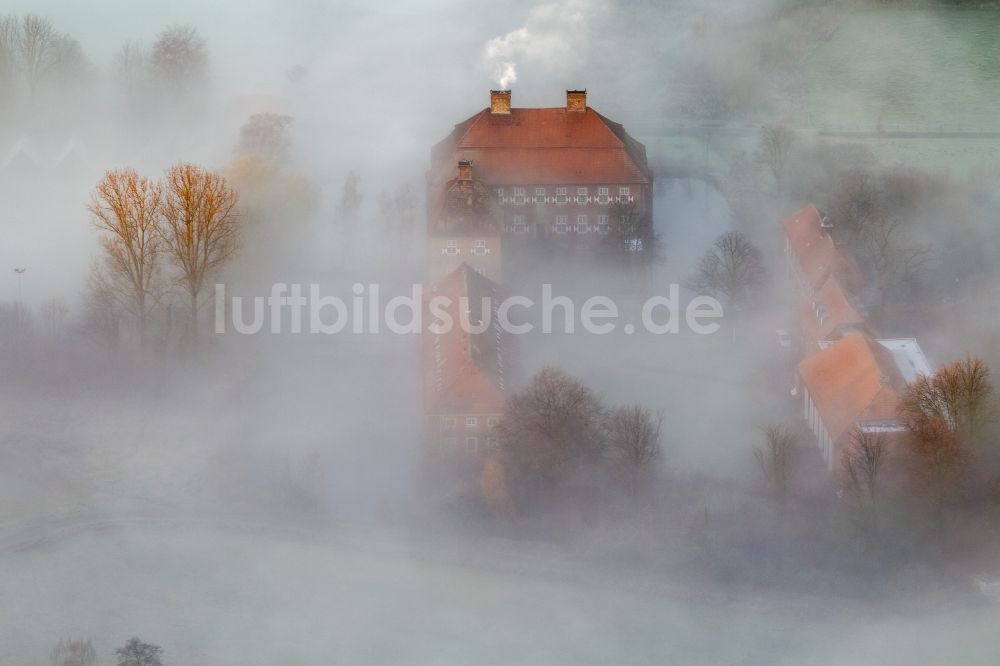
<point>500,102</point>
<point>576,101</point>
<point>464,170</point>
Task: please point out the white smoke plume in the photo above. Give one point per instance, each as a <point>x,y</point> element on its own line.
<point>552,33</point>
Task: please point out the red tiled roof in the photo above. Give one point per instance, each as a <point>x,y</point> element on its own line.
<point>854,379</point>
<point>839,309</point>
<point>817,253</point>
<point>464,372</point>
<point>543,146</point>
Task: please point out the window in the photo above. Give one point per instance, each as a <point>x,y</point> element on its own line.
<point>493,421</point>
<point>561,196</point>
<point>562,225</point>
<point>451,248</point>
<point>624,193</point>
<point>471,444</point>
<point>500,194</point>
<point>603,226</point>
<point>479,248</point>
<point>603,195</point>
<point>539,195</point>
<point>450,422</point>
<point>519,196</point>
<point>492,443</point>
<point>581,195</point>
<point>519,226</point>
<point>581,224</point>
<point>471,421</point>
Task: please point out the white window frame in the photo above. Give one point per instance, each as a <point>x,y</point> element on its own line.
<point>603,226</point>
<point>625,194</point>
<point>582,224</point>
<point>519,198</point>
<point>501,198</point>
<point>492,421</point>
<point>471,444</point>
<point>471,422</point>
<point>562,196</point>
<point>519,225</point>
<point>450,423</point>
<point>582,195</point>
<point>561,225</point>
<point>540,195</point>
<point>451,248</point>
<point>604,195</point>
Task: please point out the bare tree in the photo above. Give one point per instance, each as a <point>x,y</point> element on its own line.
<point>856,200</point>
<point>73,652</point>
<point>775,460</point>
<point>549,428</point>
<point>137,653</point>
<point>36,49</point>
<point>266,135</point>
<point>102,309</point>
<point>350,200</point>
<point>894,262</point>
<point>731,270</point>
<point>862,462</point>
<point>129,68</point>
<point>126,208</point>
<point>775,145</point>
<point>632,435</point>
<point>398,210</point>
<point>9,31</point>
<point>200,227</point>
<point>179,59</point>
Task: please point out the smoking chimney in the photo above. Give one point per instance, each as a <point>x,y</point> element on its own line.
<point>500,102</point>
<point>464,170</point>
<point>576,101</point>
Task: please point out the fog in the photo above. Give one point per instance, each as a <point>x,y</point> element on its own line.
<point>278,497</point>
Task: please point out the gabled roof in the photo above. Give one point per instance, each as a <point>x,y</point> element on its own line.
<point>854,379</point>
<point>816,252</point>
<point>464,371</point>
<point>543,146</point>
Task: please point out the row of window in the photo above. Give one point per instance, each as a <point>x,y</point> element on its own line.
<point>519,195</point>
<point>478,249</point>
<point>561,225</point>
<point>450,422</point>
<point>471,444</point>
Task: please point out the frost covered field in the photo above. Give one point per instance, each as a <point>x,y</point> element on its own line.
<point>227,597</point>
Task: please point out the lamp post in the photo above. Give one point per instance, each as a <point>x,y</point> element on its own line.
<point>20,271</point>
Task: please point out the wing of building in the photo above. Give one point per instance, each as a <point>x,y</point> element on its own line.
<point>565,173</point>
<point>464,366</point>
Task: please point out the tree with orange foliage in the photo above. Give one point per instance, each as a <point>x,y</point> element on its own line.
<point>200,227</point>
<point>493,489</point>
<point>958,397</point>
<point>126,208</point>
